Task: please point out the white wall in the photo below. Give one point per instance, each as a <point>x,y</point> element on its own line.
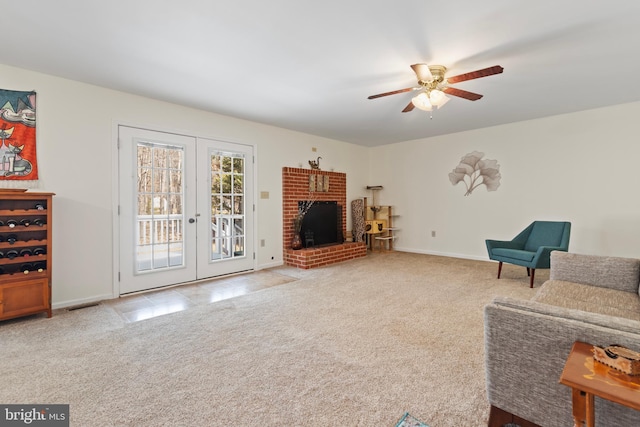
<point>579,167</point>
<point>76,141</point>
<point>582,167</point>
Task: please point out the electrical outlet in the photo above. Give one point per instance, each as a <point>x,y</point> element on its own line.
<point>314,149</point>
<point>433,233</point>
<point>262,243</point>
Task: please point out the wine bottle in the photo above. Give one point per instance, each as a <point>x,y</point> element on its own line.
<point>39,206</point>
<point>39,222</point>
<point>26,267</point>
<point>26,252</point>
<point>1,254</point>
<point>40,266</point>
<point>39,251</point>
<point>12,223</point>
<point>12,254</point>
<point>12,238</point>
<point>1,223</point>
<point>25,221</point>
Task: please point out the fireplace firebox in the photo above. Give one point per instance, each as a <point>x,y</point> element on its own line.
<point>322,225</point>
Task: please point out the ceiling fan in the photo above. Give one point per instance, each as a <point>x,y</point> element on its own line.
<point>433,85</point>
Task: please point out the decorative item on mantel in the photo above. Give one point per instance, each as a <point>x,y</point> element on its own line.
<point>319,183</point>
<point>303,208</point>
<point>315,164</point>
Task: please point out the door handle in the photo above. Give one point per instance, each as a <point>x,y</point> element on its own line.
<point>192,220</point>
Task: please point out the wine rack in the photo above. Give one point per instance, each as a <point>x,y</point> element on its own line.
<point>25,253</point>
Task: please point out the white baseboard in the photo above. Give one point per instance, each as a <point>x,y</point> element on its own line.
<point>447,254</point>
<point>270,265</point>
<point>82,301</point>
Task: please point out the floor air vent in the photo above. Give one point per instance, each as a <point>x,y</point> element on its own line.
<point>81,306</point>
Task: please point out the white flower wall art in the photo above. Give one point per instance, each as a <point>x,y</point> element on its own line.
<point>474,171</point>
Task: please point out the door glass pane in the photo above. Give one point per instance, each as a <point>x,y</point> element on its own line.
<point>160,196</point>
<point>227,206</point>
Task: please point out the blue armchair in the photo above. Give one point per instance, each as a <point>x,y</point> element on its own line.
<point>532,247</point>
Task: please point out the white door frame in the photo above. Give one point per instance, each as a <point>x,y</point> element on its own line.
<point>115,186</point>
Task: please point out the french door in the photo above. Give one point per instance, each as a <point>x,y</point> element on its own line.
<point>225,208</point>
<point>185,208</point>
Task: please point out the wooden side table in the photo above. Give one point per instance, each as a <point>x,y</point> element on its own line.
<point>588,378</point>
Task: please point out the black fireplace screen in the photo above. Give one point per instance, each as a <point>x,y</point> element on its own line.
<point>322,225</point>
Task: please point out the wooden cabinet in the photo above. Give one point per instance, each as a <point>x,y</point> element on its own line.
<point>25,253</point>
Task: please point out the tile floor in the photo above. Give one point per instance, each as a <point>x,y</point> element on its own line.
<point>141,306</point>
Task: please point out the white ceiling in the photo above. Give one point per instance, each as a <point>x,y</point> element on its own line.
<point>309,66</point>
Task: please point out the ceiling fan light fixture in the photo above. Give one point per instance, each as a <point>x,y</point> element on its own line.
<point>421,101</point>
<point>438,98</point>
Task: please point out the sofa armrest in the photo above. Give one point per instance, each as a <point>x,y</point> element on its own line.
<point>608,272</point>
<point>526,346</point>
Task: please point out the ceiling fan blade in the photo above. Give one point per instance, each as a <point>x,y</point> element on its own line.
<point>422,72</point>
<point>496,69</point>
<point>380,95</point>
<point>462,93</point>
<point>409,107</point>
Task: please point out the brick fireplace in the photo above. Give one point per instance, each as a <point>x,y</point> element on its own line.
<point>295,188</point>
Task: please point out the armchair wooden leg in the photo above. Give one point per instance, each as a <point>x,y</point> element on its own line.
<point>533,273</point>
<point>499,268</point>
<point>528,272</point>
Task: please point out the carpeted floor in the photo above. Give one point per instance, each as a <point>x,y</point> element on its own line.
<point>355,344</point>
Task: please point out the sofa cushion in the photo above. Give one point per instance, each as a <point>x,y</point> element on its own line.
<point>608,272</point>
<point>593,299</point>
<point>514,254</point>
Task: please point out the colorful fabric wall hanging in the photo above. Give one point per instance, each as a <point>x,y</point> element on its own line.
<point>18,136</point>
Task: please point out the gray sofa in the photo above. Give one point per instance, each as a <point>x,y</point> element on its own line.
<point>587,298</point>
